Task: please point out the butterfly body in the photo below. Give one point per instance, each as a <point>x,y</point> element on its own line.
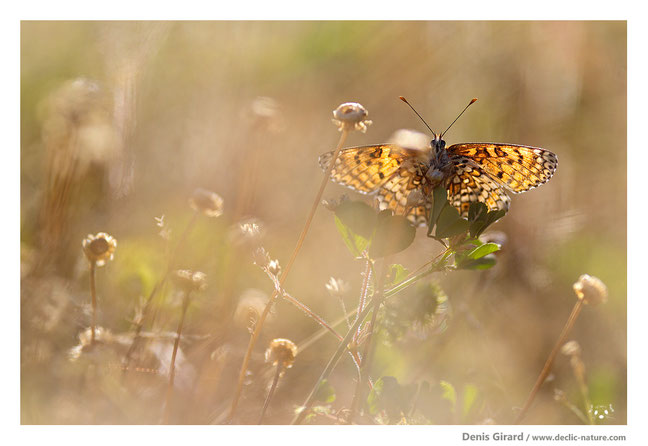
<point>470,172</point>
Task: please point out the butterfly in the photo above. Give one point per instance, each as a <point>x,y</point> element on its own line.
<point>402,179</point>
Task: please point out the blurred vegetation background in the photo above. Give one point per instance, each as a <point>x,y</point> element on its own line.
<point>121,121</point>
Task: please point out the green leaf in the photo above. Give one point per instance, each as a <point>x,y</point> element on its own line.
<point>390,396</point>
<point>397,274</point>
<point>440,195</point>
<point>450,223</point>
<point>358,216</point>
<point>325,392</point>
<point>476,210</point>
<point>393,234</point>
<point>470,394</point>
<point>355,243</point>
<point>480,218</point>
<point>483,250</point>
<point>485,262</point>
<point>449,393</point>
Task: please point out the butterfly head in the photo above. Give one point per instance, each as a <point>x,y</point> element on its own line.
<point>437,145</point>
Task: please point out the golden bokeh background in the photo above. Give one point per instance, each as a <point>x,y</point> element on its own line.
<point>121,121</point>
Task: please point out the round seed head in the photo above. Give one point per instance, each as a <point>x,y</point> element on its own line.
<point>571,348</point>
<point>190,280</point>
<point>591,290</point>
<point>281,352</point>
<point>351,116</point>
<point>99,248</point>
<point>267,114</point>
<point>207,202</point>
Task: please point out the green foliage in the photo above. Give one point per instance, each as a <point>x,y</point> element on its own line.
<point>480,257</point>
<point>397,274</point>
<point>449,394</point>
<point>363,228</point>
<point>421,310</point>
<point>481,218</point>
<point>445,221</point>
<point>470,399</point>
<point>424,403</point>
<point>325,392</point>
<point>390,396</point>
<point>380,234</point>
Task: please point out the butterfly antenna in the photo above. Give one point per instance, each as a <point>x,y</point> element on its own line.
<point>472,101</point>
<point>417,113</point>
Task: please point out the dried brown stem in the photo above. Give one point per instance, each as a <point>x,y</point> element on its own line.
<point>93,292</point>
<point>271,392</point>
<point>169,393</point>
<point>342,347</point>
<point>273,298</point>
<point>158,286</point>
<point>550,359</point>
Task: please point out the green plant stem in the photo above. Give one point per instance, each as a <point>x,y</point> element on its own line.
<point>363,291</point>
<point>332,363</point>
<point>388,293</point>
<point>310,313</point>
<point>271,392</point>
<point>575,410</point>
<point>169,393</point>
<point>436,267</point>
<point>368,347</point>
<point>579,370</point>
<point>93,292</point>
<point>550,359</point>
<point>140,324</point>
<point>273,298</point>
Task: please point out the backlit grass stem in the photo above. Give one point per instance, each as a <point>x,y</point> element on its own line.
<point>156,288</point>
<point>93,293</point>
<point>169,392</point>
<point>368,347</point>
<point>259,325</point>
<point>332,363</point>
<point>550,359</point>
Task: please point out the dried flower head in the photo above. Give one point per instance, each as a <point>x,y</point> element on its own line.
<point>250,230</point>
<point>190,280</point>
<point>337,287</point>
<point>102,336</point>
<point>267,114</point>
<point>165,232</point>
<point>281,352</point>
<point>559,395</point>
<point>571,348</point>
<point>99,248</point>
<point>207,202</point>
<point>250,306</point>
<point>274,267</point>
<point>601,413</point>
<point>78,126</point>
<point>350,116</point>
<point>260,257</point>
<point>591,290</point>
